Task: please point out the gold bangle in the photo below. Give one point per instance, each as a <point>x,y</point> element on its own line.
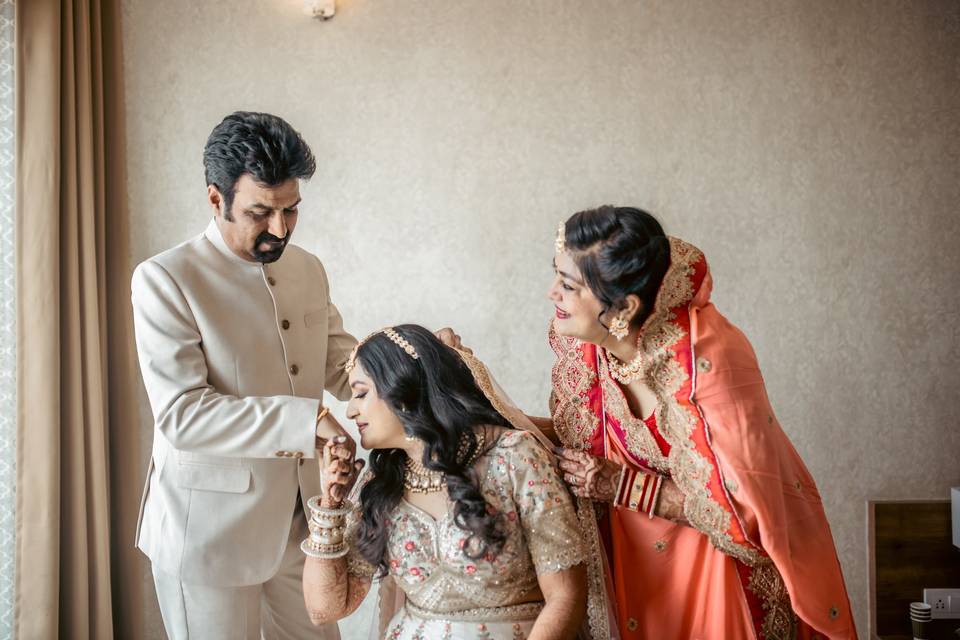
<point>322,413</point>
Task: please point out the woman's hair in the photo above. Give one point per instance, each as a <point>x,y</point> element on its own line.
<point>619,251</point>
<point>438,402</point>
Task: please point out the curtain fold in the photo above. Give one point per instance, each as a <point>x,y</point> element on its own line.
<point>76,424</point>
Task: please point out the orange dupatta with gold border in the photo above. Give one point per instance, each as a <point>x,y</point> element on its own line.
<point>745,487</point>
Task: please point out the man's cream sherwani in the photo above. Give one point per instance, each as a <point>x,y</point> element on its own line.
<point>235,356</point>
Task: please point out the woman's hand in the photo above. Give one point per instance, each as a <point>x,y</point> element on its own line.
<point>339,471</point>
<point>589,476</point>
<point>670,504</point>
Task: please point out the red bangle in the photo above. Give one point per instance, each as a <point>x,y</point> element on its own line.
<point>627,475</point>
<point>638,491</point>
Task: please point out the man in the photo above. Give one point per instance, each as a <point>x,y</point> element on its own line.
<point>237,339</point>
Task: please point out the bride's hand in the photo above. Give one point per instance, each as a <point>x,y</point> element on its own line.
<point>589,476</point>
<point>339,471</point>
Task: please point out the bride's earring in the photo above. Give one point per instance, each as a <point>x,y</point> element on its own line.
<point>408,438</point>
<point>619,328</point>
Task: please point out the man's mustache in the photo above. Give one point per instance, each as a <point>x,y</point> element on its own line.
<point>268,237</point>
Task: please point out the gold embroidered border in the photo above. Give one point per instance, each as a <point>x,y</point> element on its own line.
<point>571,378</point>
<point>640,441</point>
<point>665,377</point>
<point>513,612</point>
<point>597,605</point>
<point>779,622</point>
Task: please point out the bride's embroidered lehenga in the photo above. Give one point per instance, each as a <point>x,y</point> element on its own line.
<point>757,559</point>
<point>447,594</point>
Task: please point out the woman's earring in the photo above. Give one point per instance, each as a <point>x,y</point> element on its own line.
<point>618,328</point>
<point>403,409</point>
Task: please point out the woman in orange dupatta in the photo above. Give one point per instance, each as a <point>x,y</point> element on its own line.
<point>709,524</point>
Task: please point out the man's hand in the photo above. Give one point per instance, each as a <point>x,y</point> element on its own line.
<point>339,471</point>
<point>589,476</point>
<point>450,338</point>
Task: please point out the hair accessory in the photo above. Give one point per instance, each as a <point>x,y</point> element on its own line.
<point>561,242</point>
<point>391,333</point>
<point>401,342</point>
<point>619,327</point>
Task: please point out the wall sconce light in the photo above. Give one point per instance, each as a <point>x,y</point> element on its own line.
<point>323,9</point>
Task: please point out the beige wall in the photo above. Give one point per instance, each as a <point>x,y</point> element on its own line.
<point>810,148</point>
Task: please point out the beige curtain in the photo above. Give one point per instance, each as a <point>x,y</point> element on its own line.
<point>77,425</point>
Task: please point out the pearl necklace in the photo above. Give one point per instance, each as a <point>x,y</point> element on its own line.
<point>418,479</point>
<point>625,373</point>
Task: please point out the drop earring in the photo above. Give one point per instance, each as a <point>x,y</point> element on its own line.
<point>408,438</point>
<point>619,328</point>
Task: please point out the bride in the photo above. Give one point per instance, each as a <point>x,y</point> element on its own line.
<point>462,507</point>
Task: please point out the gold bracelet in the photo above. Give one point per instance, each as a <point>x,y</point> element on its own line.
<point>322,413</point>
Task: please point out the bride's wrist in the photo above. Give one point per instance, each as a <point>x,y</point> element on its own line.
<point>328,502</point>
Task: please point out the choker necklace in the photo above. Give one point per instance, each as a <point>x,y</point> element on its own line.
<point>625,373</point>
<point>418,479</point>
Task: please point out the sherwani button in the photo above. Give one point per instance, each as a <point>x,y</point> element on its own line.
<point>287,454</point>
<point>271,280</point>
<point>280,454</point>
<point>298,454</point>
<point>294,369</point>
<point>285,324</point>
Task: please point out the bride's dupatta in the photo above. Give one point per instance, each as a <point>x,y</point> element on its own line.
<point>745,487</point>
<point>600,621</point>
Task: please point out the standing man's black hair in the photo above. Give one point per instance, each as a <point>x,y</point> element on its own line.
<point>260,144</point>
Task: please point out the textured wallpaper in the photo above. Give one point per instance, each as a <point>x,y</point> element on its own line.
<point>810,148</point>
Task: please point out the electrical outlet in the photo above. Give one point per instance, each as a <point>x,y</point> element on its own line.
<point>945,602</point>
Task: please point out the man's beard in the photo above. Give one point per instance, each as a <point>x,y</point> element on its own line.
<point>272,255</point>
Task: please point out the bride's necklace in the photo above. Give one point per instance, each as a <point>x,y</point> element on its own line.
<point>628,372</point>
<point>418,479</point>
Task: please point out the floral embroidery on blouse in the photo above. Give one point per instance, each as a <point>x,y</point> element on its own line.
<point>518,481</point>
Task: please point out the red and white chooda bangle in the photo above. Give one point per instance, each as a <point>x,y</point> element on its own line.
<point>638,490</point>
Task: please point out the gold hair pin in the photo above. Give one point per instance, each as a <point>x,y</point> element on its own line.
<point>391,333</point>
<point>561,242</point>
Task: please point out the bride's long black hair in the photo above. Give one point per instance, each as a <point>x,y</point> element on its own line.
<point>437,401</point>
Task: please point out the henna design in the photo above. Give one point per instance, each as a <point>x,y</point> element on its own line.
<point>589,476</point>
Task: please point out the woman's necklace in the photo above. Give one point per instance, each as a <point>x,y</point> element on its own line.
<point>418,479</point>
<point>625,373</point>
